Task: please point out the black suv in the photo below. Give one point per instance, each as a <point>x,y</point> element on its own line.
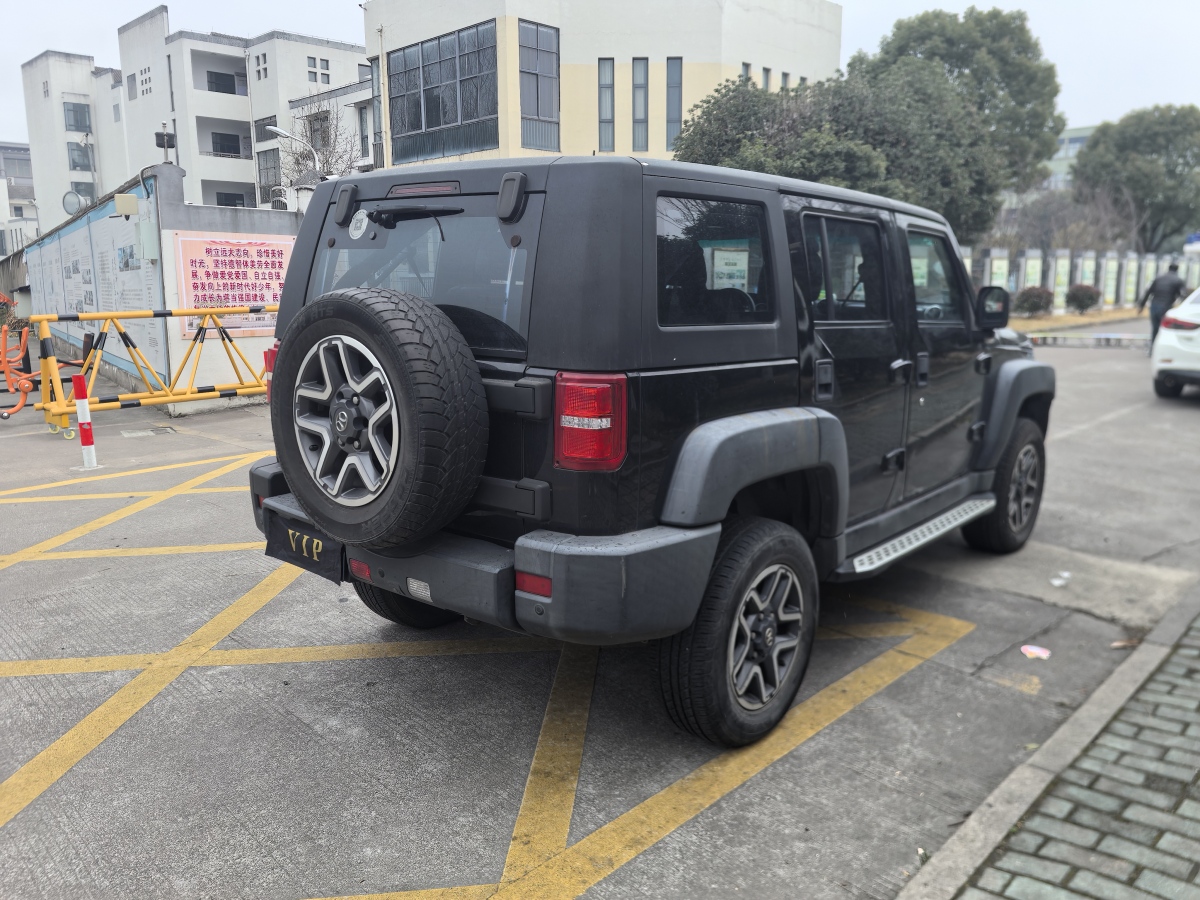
<point>612,400</point>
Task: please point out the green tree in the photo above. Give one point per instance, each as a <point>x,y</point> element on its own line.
<point>1148,166</point>
<point>994,60</point>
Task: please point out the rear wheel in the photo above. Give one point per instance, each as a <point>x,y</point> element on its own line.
<point>734,672</point>
<point>1020,480</point>
<point>402,610</point>
<point>1168,388</point>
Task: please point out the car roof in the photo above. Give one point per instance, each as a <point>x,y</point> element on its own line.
<point>482,176</point>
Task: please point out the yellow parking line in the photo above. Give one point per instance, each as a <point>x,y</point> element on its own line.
<point>106,475</point>
<point>467,892</point>
<point>864,630</point>
<point>544,820</point>
<point>328,652</point>
<point>149,551</point>
<point>76,665</point>
<point>611,846</point>
<point>116,495</point>
<point>28,782</point>
<point>125,511</point>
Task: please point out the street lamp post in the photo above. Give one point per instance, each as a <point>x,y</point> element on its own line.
<point>291,137</point>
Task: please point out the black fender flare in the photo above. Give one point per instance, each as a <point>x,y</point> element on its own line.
<point>1014,383</point>
<point>721,457</point>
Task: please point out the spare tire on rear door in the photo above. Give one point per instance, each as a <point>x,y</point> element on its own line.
<point>379,416</point>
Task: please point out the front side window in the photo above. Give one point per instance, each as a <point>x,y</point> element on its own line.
<point>78,116</point>
<point>713,267</point>
<point>607,121</point>
<point>539,85</point>
<point>79,157</point>
<point>936,285</point>
<point>641,102</point>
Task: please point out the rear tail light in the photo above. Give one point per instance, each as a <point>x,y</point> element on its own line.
<point>533,584</point>
<point>360,570</point>
<point>589,422</point>
<point>1179,324</point>
<point>269,357</point>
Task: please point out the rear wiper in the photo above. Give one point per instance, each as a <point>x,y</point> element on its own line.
<point>387,218</point>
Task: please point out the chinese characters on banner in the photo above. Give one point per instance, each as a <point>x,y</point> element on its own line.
<point>232,270</point>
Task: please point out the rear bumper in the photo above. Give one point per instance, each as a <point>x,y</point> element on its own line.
<point>1179,376</point>
<point>604,590</point>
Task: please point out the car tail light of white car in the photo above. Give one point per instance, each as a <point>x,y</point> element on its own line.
<point>1174,324</point>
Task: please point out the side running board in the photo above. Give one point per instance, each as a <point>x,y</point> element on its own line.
<point>885,554</point>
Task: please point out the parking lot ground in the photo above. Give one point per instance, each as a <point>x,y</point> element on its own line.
<point>184,717</point>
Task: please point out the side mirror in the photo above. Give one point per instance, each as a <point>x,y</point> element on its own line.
<point>992,307</point>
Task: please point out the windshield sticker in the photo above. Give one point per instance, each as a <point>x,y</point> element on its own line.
<point>358,225</point>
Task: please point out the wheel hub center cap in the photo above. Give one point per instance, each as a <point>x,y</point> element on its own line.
<point>346,419</point>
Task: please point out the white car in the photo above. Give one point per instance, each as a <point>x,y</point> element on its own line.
<point>1176,356</point>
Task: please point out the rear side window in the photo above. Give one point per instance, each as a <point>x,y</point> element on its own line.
<point>938,289</point>
<point>455,259</point>
<point>713,267</point>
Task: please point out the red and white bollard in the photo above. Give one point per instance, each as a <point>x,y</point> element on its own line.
<point>84,416</point>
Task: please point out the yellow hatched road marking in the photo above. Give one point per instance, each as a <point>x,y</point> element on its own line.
<point>125,511</point>
<point>88,478</point>
<point>28,782</point>
<point>864,630</point>
<point>116,495</point>
<point>326,653</point>
<point>11,668</point>
<point>544,819</point>
<point>149,551</point>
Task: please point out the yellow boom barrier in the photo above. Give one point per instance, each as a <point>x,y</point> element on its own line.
<point>58,404</point>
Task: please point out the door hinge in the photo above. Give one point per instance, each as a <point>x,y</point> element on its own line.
<point>900,369</point>
<point>975,432</point>
<point>824,382</point>
<point>894,460</point>
<point>983,363</point>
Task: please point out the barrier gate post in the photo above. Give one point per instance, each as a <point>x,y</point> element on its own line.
<point>83,416</point>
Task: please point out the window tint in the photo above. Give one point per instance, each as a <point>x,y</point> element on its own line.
<point>847,253</point>
<point>939,292</point>
<point>713,267</point>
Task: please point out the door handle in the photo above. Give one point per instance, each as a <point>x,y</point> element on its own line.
<point>824,385</point>
<point>983,363</point>
<point>897,367</point>
<point>922,369</point>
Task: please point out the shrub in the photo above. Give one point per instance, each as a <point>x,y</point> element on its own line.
<point>1082,297</point>
<point>1033,301</point>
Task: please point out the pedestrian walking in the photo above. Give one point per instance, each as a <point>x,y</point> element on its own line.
<point>1162,294</point>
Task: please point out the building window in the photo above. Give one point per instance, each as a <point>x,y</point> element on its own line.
<point>539,85</point>
<point>364,133</point>
<point>131,86</point>
<point>442,95</point>
<point>784,81</point>
<point>312,62</point>
<point>674,99</point>
<point>80,156</point>
<point>312,76</point>
<point>222,82</point>
<point>226,144</point>
<point>260,129</point>
<point>18,212</point>
<point>116,112</point>
<point>224,199</point>
<point>766,79</point>
<point>325,64</point>
<point>324,78</point>
<point>641,88</point>
<point>264,71</point>
<point>84,189</point>
<point>78,116</point>
<point>268,174</point>
<point>746,71</point>
<point>317,128</point>
<point>364,72</point>
<point>607,126</point>
<point>45,89</point>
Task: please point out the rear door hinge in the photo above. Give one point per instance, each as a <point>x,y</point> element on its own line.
<point>975,432</point>
<point>894,460</point>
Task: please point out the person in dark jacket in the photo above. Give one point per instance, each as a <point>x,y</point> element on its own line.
<point>1162,294</point>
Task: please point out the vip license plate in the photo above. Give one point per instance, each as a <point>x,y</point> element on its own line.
<point>304,546</point>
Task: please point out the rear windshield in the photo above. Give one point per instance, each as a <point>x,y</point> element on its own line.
<point>459,261</point>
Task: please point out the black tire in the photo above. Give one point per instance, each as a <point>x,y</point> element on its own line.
<point>695,665</point>
<point>428,474</point>
<point>402,610</point>
<point>1168,389</point>
<point>1003,530</point>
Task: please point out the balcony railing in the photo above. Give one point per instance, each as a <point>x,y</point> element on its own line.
<point>226,155</point>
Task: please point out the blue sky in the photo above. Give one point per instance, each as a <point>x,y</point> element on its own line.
<point>1112,57</point>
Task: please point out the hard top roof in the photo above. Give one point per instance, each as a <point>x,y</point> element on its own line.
<point>488,171</point>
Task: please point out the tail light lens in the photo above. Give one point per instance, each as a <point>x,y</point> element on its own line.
<point>1179,324</point>
<point>269,357</point>
<point>360,570</point>
<point>589,422</point>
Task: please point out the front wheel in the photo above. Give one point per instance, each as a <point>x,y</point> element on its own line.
<point>1169,389</point>
<point>402,610</point>
<point>734,672</point>
<point>1020,481</point>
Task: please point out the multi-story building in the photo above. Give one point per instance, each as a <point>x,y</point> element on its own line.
<point>18,203</point>
<point>483,78</point>
<point>93,128</point>
<point>1070,142</point>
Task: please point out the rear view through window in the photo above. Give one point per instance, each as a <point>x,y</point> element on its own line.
<point>453,256</point>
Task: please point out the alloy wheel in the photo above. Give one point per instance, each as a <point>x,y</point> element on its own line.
<point>347,423</point>
<point>1023,488</point>
<point>765,636</point>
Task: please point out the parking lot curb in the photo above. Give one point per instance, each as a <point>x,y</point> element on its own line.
<point>948,870</point>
